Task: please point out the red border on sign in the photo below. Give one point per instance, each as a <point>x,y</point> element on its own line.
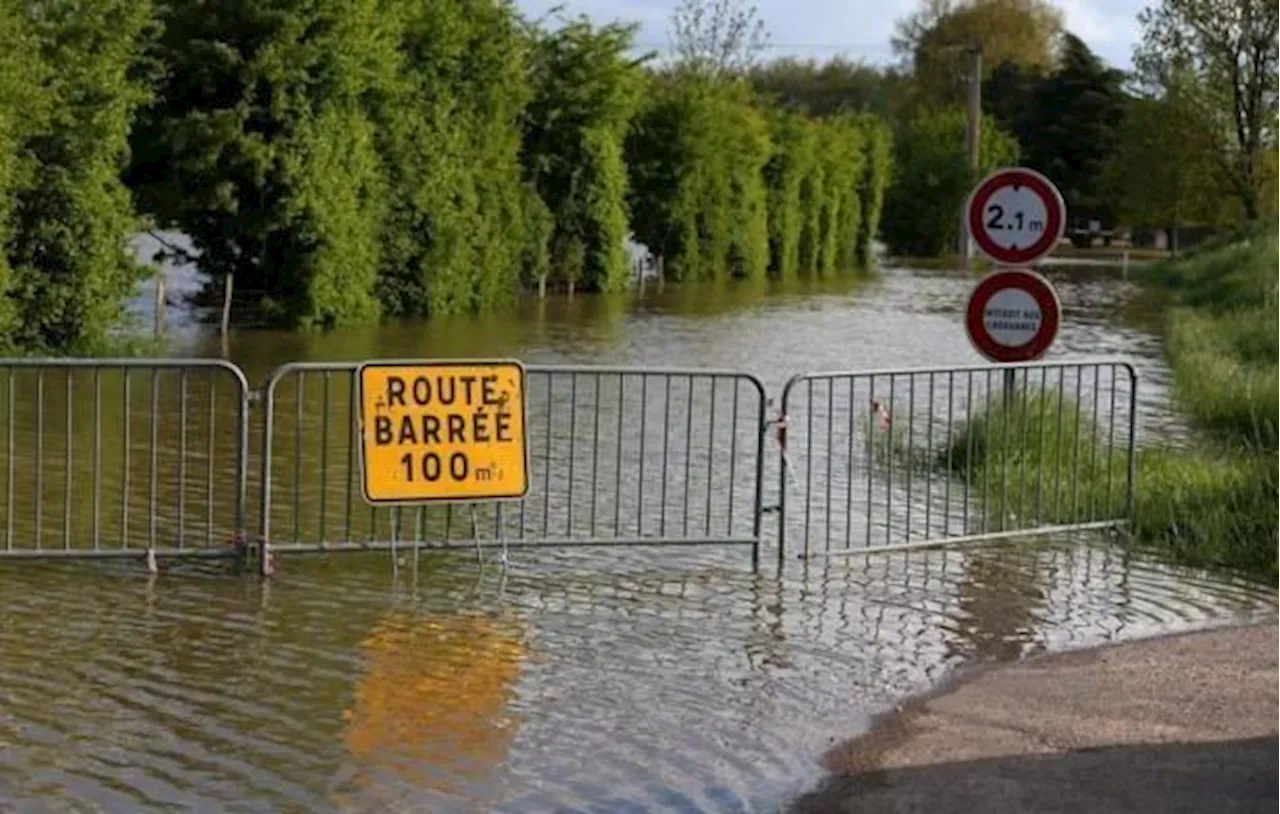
<point>1039,289</point>
<point>1055,215</point>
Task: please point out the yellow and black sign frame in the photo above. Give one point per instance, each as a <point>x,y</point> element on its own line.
<point>435,367</point>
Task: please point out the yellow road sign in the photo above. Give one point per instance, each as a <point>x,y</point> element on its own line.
<point>442,431</point>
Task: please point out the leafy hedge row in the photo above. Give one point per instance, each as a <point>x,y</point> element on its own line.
<point>722,185</point>
<point>932,179</point>
<point>352,159</point>
<point>67,96</point>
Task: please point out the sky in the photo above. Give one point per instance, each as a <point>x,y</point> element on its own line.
<point>854,29</point>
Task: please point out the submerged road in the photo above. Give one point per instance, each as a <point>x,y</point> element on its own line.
<point>1178,724</point>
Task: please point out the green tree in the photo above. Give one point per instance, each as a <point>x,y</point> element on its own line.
<point>456,235</point>
<point>876,171</point>
<point>585,92</point>
<point>261,148</point>
<point>1072,130</point>
<point>932,178</point>
<point>1230,48</point>
<point>794,154</point>
<point>1163,173</point>
<point>1009,97</point>
<point>932,41</point>
<point>697,155</point>
<point>72,97</point>
<point>23,111</point>
<point>823,89</point>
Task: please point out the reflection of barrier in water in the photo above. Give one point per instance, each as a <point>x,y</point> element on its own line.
<point>430,708</point>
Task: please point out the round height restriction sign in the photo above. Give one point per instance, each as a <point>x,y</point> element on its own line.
<point>1013,316</point>
<point>1016,216</point>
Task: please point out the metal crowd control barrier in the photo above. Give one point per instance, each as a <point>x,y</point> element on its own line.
<point>616,457</point>
<point>895,459</point>
<point>123,458</point>
<point>136,457</point>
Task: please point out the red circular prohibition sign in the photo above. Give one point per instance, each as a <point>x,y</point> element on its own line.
<point>1039,289</point>
<point>1054,215</point>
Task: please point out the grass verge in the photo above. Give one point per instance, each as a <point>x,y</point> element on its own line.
<point>1213,504</point>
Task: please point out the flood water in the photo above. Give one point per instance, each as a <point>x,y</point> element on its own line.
<point>572,680</point>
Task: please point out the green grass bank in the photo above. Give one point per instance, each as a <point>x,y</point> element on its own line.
<point>1214,503</point>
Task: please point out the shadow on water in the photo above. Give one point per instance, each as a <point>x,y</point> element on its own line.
<point>1237,775</point>
<point>590,680</point>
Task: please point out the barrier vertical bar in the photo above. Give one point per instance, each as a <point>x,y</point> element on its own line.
<point>353,413</point>
<point>39,456</point>
<point>97,458</point>
<point>297,455</point>
<point>8,537</point>
<point>573,447</point>
<point>711,451</point>
<point>848,497</point>
<point>124,496</point>
<point>182,459</point>
<point>325,387</point>
<point>1133,440</point>
<point>153,455</point>
<point>66,497</point>
<point>213,413</point>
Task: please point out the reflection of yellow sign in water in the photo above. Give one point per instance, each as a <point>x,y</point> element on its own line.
<point>431,704</point>
<point>443,431</point>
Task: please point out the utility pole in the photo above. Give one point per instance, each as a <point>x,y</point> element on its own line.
<point>973,135</point>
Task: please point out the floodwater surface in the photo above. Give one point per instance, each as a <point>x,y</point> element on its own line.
<point>610,680</point>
